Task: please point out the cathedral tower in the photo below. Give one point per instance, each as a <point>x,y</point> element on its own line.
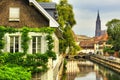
<point>98,26</point>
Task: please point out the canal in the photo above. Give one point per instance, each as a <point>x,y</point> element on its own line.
<point>87,70</point>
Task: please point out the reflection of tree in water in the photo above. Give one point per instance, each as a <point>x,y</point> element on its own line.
<point>113,77</point>
<point>108,74</point>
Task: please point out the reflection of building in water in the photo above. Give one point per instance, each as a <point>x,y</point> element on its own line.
<point>85,66</point>
<point>72,70</point>
<point>96,69</point>
<point>82,70</point>
<point>101,73</point>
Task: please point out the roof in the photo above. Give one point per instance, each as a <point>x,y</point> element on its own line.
<point>52,22</point>
<point>48,5</point>
<point>103,37</point>
<point>87,43</point>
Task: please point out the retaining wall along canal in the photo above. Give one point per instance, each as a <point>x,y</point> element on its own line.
<point>112,64</point>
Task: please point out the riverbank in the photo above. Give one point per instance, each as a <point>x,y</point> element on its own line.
<point>111,64</point>
<point>86,69</point>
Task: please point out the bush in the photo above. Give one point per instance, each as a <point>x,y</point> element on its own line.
<point>14,73</point>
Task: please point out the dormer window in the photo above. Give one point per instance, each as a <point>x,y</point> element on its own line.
<point>14,14</point>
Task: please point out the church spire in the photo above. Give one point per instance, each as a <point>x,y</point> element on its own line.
<point>98,25</point>
<point>98,16</point>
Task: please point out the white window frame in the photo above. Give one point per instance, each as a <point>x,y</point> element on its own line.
<point>14,43</point>
<point>14,14</point>
<point>36,44</point>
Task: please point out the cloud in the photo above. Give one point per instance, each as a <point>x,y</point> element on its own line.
<point>86,12</point>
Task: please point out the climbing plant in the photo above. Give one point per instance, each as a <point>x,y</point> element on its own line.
<point>25,39</point>
<point>34,62</point>
<point>2,33</point>
<point>49,52</point>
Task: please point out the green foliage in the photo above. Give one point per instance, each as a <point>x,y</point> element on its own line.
<point>67,21</point>
<point>4,30</point>
<point>62,46</point>
<point>34,62</point>
<point>113,30</point>
<point>14,73</point>
<point>64,70</point>
<point>109,50</point>
<point>65,12</point>
<point>31,61</point>
<point>50,42</point>
<point>12,58</point>
<point>2,33</point>
<point>25,39</point>
<point>49,52</point>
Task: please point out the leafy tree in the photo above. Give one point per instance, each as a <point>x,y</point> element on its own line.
<point>113,31</point>
<point>109,50</point>
<point>67,21</point>
<point>66,15</point>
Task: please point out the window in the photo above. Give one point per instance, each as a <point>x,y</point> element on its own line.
<point>14,14</point>
<point>36,44</point>
<point>14,44</point>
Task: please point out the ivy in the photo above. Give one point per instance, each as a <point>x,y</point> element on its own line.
<point>49,52</point>
<point>2,33</point>
<point>34,62</point>
<point>25,39</point>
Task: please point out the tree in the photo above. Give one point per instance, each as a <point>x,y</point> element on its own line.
<point>67,21</point>
<point>66,15</point>
<point>109,50</point>
<point>113,30</point>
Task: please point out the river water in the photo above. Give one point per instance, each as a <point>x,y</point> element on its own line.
<point>87,70</point>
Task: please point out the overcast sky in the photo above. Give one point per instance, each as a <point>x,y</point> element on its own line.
<point>86,12</point>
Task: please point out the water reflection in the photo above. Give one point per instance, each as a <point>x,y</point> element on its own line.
<point>86,70</point>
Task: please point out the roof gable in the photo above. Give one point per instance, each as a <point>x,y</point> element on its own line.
<point>52,22</point>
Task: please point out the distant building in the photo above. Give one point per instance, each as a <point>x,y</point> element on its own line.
<point>98,26</point>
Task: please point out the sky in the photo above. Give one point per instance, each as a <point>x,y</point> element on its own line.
<point>85,12</point>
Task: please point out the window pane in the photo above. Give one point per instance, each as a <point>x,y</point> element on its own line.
<point>14,44</point>
<point>11,44</point>
<point>39,44</point>
<point>36,44</point>
<point>33,44</point>
<point>14,14</point>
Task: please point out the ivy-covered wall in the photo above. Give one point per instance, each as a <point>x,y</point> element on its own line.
<point>34,62</point>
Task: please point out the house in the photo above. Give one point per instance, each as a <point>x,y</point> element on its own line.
<point>95,44</point>
<point>19,13</point>
<point>87,45</point>
<point>100,43</point>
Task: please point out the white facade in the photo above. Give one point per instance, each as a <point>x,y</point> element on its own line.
<point>31,34</point>
<point>14,39</point>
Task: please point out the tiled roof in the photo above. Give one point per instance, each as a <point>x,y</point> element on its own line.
<point>90,42</point>
<point>102,38</point>
<point>87,43</point>
<point>48,5</point>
